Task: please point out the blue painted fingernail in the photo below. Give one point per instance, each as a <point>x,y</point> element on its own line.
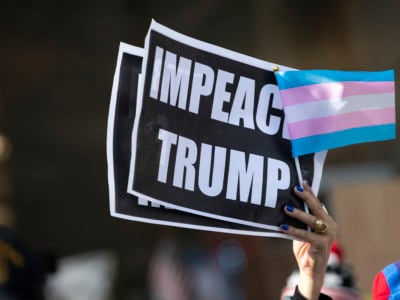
<point>289,208</point>
<point>299,188</point>
<point>284,226</point>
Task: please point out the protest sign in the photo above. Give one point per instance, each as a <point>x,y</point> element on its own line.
<point>120,122</point>
<point>209,136</point>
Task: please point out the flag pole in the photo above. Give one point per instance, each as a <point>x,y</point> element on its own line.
<point>298,169</point>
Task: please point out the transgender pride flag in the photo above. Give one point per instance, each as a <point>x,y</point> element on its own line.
<point>329,109</point>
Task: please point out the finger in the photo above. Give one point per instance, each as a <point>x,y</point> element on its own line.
<point>300,215</point>
<point>310,220</point>
<point>301,235</point>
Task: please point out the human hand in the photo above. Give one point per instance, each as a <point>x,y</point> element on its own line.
<point>311,249</point>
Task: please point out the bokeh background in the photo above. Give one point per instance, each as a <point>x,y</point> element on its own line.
<point>57,61</point>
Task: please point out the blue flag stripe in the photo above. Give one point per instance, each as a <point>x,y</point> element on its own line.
<point>296,78</point>
<point>343,138</point>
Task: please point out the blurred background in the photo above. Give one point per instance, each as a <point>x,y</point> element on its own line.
<point>57,61</point>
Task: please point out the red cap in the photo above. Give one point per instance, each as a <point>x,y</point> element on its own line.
<point>336,249</point>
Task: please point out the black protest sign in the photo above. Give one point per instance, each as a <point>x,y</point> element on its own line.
<point>210,138</point>
<point>120,122</point>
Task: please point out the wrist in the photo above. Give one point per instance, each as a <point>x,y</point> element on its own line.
<point>310,286</point>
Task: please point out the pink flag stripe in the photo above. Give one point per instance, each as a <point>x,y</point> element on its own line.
<point>329,124</point>
<point>334,90</point>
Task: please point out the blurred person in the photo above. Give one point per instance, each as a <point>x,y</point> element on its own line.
<point>386,284</point>
<point>22,272</point>
<point>311,248</point>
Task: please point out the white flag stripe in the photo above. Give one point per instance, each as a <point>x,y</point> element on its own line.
<point>338,106</point>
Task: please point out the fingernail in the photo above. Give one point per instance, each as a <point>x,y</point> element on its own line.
<point>289,208</point>
<point>305,181</point>
<point>284,227</point>
<point>299,188</point>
